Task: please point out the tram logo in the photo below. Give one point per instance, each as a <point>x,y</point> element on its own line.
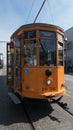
<point>26,71</point>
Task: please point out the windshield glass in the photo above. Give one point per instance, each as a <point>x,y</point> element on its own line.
<point>47,52</point>
<point>30,53</point>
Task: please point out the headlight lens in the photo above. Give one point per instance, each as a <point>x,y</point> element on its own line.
<point>48,81</point>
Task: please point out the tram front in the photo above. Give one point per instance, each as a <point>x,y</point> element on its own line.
<point>43,75</point>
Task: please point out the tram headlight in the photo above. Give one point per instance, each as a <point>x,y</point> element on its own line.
<point>48,72</point>
<point>49,81</point>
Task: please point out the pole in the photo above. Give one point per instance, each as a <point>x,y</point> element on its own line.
<point>39,11</point>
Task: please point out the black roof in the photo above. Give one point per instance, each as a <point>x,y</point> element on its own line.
<point>37,24</point>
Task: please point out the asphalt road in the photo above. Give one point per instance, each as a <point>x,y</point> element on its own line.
<point>68,97</point>
<point>69,83</point>
<point>12,116</point>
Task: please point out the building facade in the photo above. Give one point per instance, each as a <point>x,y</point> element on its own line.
<point>69,50</point>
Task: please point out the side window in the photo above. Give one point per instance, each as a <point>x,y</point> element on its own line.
<point>60,54</point>
<point>17,51</point>
<point>60,38</point>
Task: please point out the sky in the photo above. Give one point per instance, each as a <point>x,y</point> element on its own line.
<point>15,13</point>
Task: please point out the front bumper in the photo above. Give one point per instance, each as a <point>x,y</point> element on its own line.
<point>54,94</point>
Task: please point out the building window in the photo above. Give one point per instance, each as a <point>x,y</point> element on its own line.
<point>69,46</point>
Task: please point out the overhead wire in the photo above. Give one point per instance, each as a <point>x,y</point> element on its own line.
<point>39,11</point>
<point>50,11</point>
<point>30,11</point>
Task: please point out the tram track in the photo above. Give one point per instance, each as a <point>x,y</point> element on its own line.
<point>34,113</point>
<point>27,114</point>
<point>44,115</point>
<point>64,105</point>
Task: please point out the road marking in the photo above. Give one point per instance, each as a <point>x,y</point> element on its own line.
<point>69,96</point>
<point>14,98</point>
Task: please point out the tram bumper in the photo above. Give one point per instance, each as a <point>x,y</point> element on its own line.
<point>54,94</point>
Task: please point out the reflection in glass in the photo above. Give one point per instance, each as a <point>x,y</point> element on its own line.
<point>9,70</point>
<point>30,53</point>
<point>17,63</point>
<point>60,53</point>
<point>47,34</point>
<point>8,48</point>
<point>17,42</point>
<point>9,61</point>
<point>47,52</point>
<point>30,34</point>
<point>17,54</point>
<point>9,77</point>
<point>60,38</point>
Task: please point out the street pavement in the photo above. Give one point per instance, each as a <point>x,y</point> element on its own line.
<point>12,116</point>
<point>67,99</point>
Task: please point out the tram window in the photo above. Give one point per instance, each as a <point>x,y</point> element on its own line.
<point>9,59</point>
<point>47,52</point>
<point>17,42</point>
<point>60,53</point>
<point>9,77</point>
<point>60,38</point>
<point>8,48</point>
<point>9,56</point>
<point>17,52</point>
<point>47,34</point>
<point>30,53</point>
<point>30,34</point>
<point>9,70</point>
<point>1,56</point>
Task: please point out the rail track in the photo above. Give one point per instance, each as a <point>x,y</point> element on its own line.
<point>64,105</point>
<point>66,102</point>
<point>43,115</point>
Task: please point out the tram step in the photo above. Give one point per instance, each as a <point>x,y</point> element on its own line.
<point>14,98</point>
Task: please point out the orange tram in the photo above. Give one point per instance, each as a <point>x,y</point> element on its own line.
<point>35,61</point>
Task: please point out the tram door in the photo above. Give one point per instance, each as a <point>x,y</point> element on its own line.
<point>17,64</point>
<point>10,69</point>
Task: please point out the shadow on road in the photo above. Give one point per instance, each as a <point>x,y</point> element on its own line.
<point>11,113</point>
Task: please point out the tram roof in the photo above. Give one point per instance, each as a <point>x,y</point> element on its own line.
<point>37,24</point>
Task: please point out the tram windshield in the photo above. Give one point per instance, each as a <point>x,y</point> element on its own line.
<point>47,52</point>
<point>30,53</point>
